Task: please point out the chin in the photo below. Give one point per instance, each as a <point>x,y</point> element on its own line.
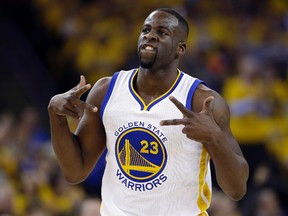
<point>146,65</point>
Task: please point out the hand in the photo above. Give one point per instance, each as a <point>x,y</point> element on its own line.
<point>69,103</point>
<point>197,126</point>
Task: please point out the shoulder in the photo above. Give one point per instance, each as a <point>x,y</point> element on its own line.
<point>98,91</point>
<point>102,84</point>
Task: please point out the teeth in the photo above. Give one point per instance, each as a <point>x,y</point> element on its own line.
<point>148,48</point>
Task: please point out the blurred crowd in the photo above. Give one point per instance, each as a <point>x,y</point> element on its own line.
<point>239,48</point>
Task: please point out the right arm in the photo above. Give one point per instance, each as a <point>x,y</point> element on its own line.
<point>77,153</point>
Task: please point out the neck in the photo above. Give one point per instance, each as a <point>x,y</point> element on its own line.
<point>151,84</point>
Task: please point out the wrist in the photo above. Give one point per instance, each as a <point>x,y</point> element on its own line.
<point>56,117</point>
<point>214,141</point>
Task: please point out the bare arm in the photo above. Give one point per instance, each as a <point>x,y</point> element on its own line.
<point>210,125</point>
<point>77,153</point>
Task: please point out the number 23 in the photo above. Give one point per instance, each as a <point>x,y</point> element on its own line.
<point>151,147</point>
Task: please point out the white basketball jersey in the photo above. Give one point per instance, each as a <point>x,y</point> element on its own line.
<point>151,170</point>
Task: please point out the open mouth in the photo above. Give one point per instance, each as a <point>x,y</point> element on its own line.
<point>148,47</point>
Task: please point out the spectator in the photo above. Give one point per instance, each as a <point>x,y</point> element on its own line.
<point>90,207</point>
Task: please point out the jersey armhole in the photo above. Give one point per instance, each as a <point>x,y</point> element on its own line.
<point>108,94</point>
<point>192,89</point>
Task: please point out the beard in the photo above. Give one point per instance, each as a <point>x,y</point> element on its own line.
<point>147,64</point>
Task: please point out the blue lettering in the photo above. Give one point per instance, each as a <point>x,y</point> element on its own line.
<point>157,132</point>
<point>141,124</point>
<point>164,139</point>
<point>138,187</point>
<point>119,174</point>
<point>156,182</point>
<point>120,129</point>
<point>143,186</point>
<point>131,185</point>
<point>163,178</point>
<point>149,186</point>
<point>124,182</point>
<point>127,126</point>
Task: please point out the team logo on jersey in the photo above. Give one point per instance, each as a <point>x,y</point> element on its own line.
<point>141,155</point>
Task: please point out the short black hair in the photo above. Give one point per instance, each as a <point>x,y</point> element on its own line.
<point>182,21</point>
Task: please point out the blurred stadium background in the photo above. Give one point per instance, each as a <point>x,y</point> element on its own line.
<point>240,48</point>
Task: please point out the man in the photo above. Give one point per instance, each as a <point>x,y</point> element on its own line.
<point>160,127</point>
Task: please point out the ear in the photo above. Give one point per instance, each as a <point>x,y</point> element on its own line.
<point>181,50</point>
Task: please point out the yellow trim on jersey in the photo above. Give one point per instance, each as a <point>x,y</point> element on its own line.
<point>204,192</point>
<point>145,107</point>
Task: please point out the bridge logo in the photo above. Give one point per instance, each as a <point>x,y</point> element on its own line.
<point>140,154</point>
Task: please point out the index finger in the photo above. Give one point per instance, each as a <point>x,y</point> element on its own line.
<point>87,106</point>
<point>80,91</point>
<point>183,121</point>
<point>180,106</point>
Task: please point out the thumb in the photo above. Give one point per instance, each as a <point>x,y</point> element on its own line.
<point>82,82</point>
<point>207,105</point>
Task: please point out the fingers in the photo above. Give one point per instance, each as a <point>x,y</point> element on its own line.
<point>85,106</point>
<point>69,103</point>
<point>81,87</point>
<point>207,105</point>
<point>76,110</point>
<point>79,104</point>
<point>82,81</point>
<point>182,109</point>
<point>188,114</point>
<point>79,92</point>
<point>73,112</point>
<point>180,106</point>
<point>183,121</point>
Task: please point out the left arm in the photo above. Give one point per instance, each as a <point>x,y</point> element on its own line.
<point>231,168</point>
<point>211,127</point>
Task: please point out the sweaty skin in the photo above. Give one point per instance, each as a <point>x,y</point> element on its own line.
<point>161,44</point>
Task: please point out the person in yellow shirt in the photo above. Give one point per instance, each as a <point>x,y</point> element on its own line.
<point>257,98</point>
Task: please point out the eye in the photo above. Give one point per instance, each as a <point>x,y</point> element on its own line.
<point>145,30</point>
<point>163,33</point>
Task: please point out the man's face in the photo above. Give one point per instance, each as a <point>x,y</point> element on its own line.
<point>158,40</point>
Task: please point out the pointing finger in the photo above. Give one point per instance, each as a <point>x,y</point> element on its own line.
<point>183,121</point>
<point>87,106</point>
<point>79,92</point>
<point>180,106</point>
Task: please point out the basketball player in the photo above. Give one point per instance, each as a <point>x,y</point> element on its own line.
<point>160,126</point>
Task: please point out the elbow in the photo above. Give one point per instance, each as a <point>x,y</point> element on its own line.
<point>71,181</point>
<point>238,194</point>
<point>74,179</point>
<point>235,191</point>
<point>240,186</point>
<point>74,174</point>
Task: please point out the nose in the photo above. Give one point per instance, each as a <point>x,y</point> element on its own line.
<point>150,36</point>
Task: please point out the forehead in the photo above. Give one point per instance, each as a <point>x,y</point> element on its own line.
<point>161,18</point>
